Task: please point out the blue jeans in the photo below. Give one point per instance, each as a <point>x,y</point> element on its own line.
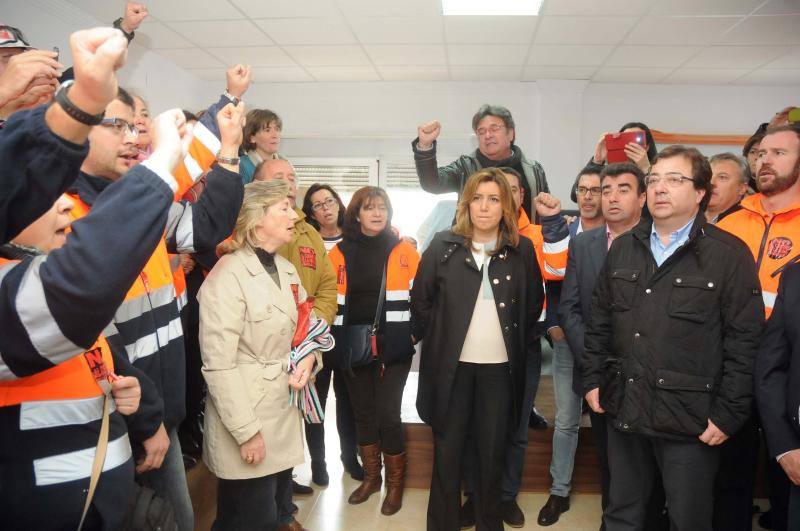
<point>169,482</point>
<point>515,456</point>
<point>568,418</point>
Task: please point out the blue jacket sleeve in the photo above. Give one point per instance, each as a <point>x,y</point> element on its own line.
<point>37,166</point>
<point>71,294</point>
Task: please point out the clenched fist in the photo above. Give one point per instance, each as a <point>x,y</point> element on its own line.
<point>238,78</point>
<point>547,204</point>
<point>97,54</point>
<point>171,138</point>
<point>428,133</point>
<point>231,119</point>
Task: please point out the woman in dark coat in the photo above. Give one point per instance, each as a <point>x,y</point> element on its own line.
<point>475,303</point>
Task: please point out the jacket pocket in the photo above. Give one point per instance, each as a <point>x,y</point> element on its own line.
<point>612,385</point>
<point>682,402</point>
<point>623,286</point>
<point>692,298</point>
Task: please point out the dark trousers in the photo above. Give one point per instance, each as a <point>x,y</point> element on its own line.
<point>241,504</point>
<point>191,427</point>
<point>376,400</point>
<point>600,432</point>
<point>655,519</point>
<point>345,422</point>
<point>283,496</point>
<point>688,471</point>
<point>794,506</point>
<point>480,407</point>
<point>733,489</point>
<point>779,496</point>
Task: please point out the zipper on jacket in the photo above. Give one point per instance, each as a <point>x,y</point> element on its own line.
<point>784,266</point>
<point>763,241</point>
<point>146,284</point>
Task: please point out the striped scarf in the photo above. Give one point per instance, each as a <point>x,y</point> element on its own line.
<point>319,338</point>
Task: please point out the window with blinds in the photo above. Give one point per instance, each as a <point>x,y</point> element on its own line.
<point>346,176</point>
<point>399,175</point>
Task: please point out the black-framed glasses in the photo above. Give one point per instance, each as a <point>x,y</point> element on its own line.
<point>120,126</point>
<point>328,203</point>
<point>672,180</point>
<point>583,190</point>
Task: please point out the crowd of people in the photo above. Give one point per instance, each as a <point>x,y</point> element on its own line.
<point>169,294</point>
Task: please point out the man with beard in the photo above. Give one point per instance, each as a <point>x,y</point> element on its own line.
<point>769,223</point>
<point>586,193</point>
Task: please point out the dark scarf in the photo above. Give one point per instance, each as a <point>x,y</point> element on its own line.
<point>268,261</point>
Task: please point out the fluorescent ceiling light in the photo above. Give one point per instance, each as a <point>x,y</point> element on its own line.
<point>491,7</point>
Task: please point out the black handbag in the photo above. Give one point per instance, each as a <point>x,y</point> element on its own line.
<point>360,342</point>
<point>149,512</point>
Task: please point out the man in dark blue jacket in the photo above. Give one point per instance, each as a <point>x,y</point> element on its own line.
<point>778,385</point>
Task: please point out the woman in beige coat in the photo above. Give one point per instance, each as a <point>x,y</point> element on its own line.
<point>248,315</point>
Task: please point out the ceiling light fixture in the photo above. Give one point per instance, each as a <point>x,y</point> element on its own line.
<point>491,7</point>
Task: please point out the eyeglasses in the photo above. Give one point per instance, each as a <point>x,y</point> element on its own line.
<point>672,180</point>
<point>328,203</point>
<point>594,190</point>
<point>491,129</point>
<point>120,126</point>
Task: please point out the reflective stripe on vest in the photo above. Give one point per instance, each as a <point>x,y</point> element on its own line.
<point>77,465</point>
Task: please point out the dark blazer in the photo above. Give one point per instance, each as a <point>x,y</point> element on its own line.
<point>587,252</point>
<point>442,301</point>
<point>778,368</point>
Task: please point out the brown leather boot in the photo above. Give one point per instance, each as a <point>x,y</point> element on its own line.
<point>395,479</point>
<point>371,457</point>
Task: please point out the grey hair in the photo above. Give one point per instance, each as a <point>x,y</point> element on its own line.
<point>744,169</point>
<point>493,110</point>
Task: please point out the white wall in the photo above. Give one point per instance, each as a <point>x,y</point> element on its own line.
<point>558,122</point>
<point>48,23</point>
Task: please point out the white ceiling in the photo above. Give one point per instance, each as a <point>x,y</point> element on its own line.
<point>739,42</point>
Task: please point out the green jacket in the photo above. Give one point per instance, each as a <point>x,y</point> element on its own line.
<point>307,252</point>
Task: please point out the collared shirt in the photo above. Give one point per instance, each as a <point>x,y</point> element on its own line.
<point>609,237</point>
<point>676,239</point>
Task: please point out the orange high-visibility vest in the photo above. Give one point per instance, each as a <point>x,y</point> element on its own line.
<point>774,240</point>
<point>73,379</point>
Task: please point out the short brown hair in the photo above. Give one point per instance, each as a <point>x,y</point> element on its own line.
<point>364,196</point>
<point>793,128</point>
<point>508,221</point>
<point>701,169</point>
<point>256,120</point>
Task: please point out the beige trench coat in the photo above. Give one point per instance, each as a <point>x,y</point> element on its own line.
<point>246,328</point>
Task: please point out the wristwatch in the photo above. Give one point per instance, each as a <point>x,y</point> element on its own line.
<point>227,160</point>
<point>74,112</point>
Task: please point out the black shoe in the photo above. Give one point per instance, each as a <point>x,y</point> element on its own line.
<point>354,468</point>
<point>319,473</point>
<point>765,519</point>
<point>512,514</point>
<point>302,490</point>
<point>466,516</point>
<point>552,510</point>
<point>536,421</point>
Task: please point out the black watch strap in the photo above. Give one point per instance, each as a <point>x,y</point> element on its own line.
<point>118,24</point>
<point>74,112</point>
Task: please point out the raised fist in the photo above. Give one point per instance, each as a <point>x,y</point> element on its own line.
<point>97,54</point>
<point>428,133</point>
<point>135,13</point>
<point>239,78</point>
<point>547,205</point>
<point>171,138</point>
<point>230,120</point>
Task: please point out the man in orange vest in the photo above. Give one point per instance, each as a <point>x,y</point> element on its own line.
<point>60,412</point>
<point>769,223</point>
<point>148,322</point>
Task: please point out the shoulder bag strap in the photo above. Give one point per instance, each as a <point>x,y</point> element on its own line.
<point>381,298</point>
<point>99,458</point>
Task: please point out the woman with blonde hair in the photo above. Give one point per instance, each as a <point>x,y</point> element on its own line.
<point>475,302</point>
<point>248,316</point>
